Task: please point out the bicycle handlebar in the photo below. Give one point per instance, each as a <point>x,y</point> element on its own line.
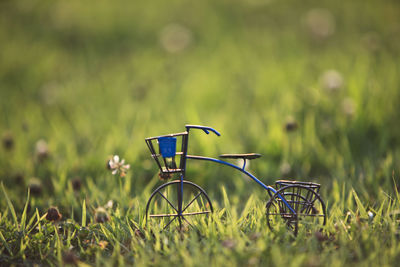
<point>204,128</point>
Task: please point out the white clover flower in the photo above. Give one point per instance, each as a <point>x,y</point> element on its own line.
<point>117,166</point>
<point>332,81</point>
<point>175,38</point>
<point>320,23</point>
<point>109,204</point>
<point>42,150</point>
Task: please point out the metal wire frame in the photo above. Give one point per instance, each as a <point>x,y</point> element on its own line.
<point>297,195</point>
<point>306,202</point>
<point>289,202</point>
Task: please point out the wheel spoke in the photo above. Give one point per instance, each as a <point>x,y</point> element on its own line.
<point>168,201</point>
<point>169,223</point>
<point>183,214</point>
<point>190,203</point>
<point>298,214</point>
<point>307,207</point>
<point>188,222</point>
<point>196,213</point>
<point>162,215</point>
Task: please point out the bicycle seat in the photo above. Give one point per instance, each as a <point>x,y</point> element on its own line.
<point>240,156</point>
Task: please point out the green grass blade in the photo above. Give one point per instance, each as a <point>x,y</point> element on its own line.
<point>247,208</point>
<point>59,246</point>
<point>5,244</point>
<point>10,206</point>
<point>23,217</point>
<point>360,206</point>
<point>107,234</point>
<point>32,219</point>
<point>227,202</point>
<point>395,187</point>
<point>84,213</point>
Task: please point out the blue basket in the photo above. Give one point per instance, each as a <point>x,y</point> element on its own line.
<point>167,146</point>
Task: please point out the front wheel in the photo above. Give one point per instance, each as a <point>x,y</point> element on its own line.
<point>177,205</point>
<point>309,208</point>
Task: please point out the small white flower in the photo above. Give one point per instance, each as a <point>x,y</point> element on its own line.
<point>41,150</point>
<point>175,38</point>
<point>109,204</point>
<point>331,81</point>
<point>117,166</point>
<point>370,215</point>
<point>320,23</point>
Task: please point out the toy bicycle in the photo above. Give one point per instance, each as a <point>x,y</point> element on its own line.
<point>182,203</point>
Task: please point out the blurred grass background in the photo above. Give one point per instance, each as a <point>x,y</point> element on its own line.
<point>311,85</point>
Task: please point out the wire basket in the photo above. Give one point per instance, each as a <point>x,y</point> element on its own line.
<point>169,152</point>
<point>299,195</point>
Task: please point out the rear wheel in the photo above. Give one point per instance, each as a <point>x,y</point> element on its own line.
<point>177,205</point>
<point>309,208</point>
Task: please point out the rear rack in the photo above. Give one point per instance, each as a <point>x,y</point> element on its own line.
<point>282,183</point>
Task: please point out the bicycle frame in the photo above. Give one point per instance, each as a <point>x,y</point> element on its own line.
<point>241,169</point>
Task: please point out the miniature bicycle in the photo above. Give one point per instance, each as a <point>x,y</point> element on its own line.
<point>183,203</point>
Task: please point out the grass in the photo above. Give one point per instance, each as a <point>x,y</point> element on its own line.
<point>313,86</point>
